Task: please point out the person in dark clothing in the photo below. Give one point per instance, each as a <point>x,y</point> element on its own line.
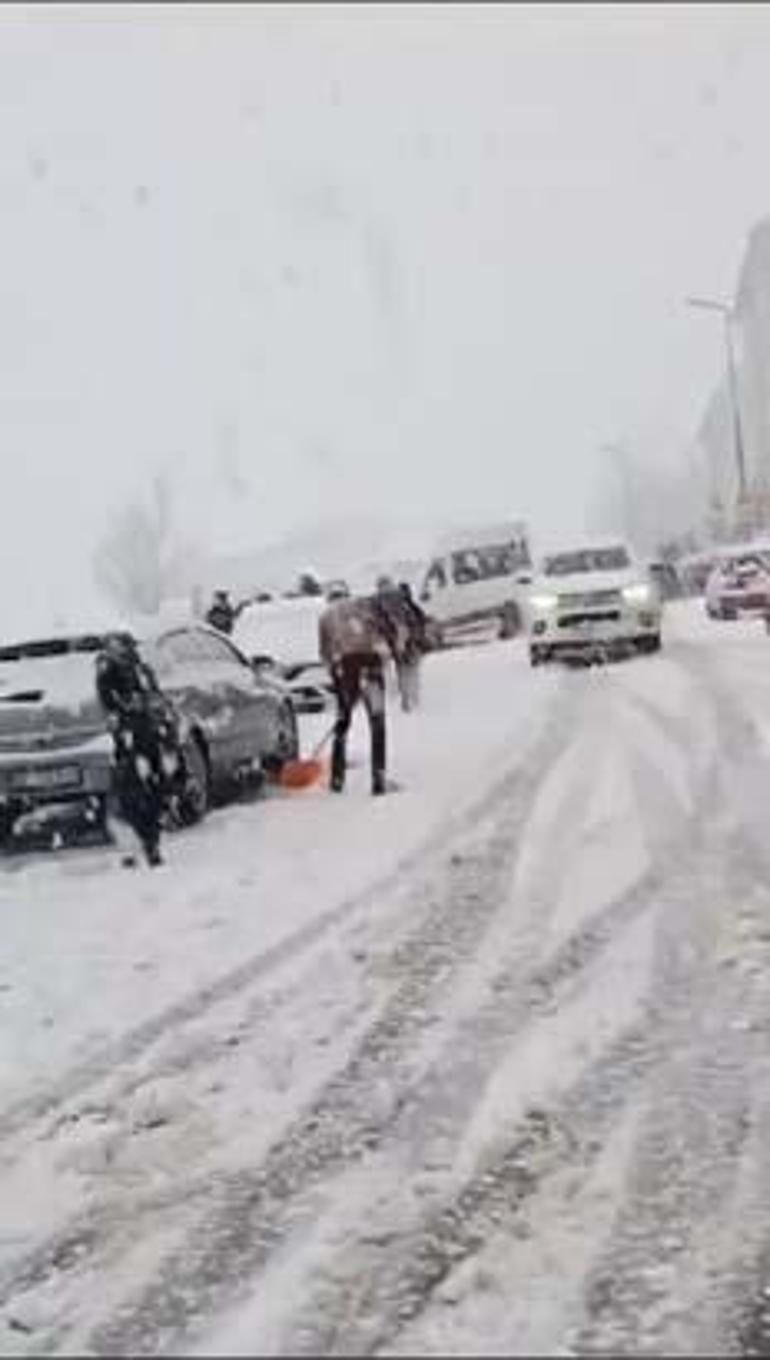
<point>223,614</point>
<point>409,627</point>
<point>417,616</point>
<point>354,637</point>
<point>414,648</point>
<point>148,758</point>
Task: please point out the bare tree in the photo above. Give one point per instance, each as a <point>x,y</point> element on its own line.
<point>131,561</point>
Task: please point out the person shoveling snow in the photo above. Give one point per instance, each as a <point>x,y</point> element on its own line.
<point>354,638</point>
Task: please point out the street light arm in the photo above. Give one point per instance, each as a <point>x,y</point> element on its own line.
<point>710,305</point>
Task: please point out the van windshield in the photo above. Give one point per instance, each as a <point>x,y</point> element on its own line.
<point>484,564</point>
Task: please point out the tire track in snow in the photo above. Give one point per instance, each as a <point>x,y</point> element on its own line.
<point>402,1278</point>
<point>357,1108</point>
<point>22,1114</point>
<point>347,1098</point>
<point>483,1041</point>
<point>315,1154</point>
<point>567,1132</point>
<point>660,1281</point>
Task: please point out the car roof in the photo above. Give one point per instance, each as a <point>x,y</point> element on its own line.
<point>464,539</point>
<point>62,644</point>
<point>72,643</point>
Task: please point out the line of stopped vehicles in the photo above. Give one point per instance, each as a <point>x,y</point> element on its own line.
<point>238,698</point>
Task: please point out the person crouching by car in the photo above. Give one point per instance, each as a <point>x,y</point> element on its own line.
<point>148,757</point>
<point>355,635</point>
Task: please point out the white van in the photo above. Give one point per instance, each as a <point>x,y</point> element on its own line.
<point>479,575</point>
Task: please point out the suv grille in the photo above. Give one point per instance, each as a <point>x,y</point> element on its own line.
<point>590,599</point>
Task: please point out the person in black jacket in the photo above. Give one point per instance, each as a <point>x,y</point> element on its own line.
<point>223,614</point>
<point>148,757</point>
<point>354,637</point>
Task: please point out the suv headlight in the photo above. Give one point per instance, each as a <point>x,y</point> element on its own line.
<point>639,593</point>
<point>544,602</point>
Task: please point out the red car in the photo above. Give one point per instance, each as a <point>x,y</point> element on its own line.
<point>739,584</point>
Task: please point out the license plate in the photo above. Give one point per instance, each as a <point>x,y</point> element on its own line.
<point>47,777</point>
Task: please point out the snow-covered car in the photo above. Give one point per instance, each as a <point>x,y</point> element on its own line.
<point>55,752</point>
<point>280,637</point>
<point>739,584</point>
<point>592,601</point>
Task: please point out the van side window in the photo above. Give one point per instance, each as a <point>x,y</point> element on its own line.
<point>465,568</point>
<point>503,559</point>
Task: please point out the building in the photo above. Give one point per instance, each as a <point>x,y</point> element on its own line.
<point>716,437</point>
<point>752,334</point>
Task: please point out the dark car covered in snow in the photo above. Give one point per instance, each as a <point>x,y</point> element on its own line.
<point>56,754</point>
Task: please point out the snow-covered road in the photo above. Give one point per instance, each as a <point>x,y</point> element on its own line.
<point>482,1067</point>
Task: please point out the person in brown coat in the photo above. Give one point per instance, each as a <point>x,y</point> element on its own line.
<point>354,637</point>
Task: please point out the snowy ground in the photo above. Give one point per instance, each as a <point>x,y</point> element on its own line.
<point>481,1067</point>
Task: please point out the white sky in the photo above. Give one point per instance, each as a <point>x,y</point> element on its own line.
<point>334,259</point>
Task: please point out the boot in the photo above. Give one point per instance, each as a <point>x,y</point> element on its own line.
<point>379,785</point>
<point>337,778</point>
<point>152,851</point>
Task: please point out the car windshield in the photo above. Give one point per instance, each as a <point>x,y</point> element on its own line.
<point>586,559</point>
<point>743,566</point>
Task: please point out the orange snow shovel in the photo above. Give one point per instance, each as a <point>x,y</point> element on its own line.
<point>300,774</point>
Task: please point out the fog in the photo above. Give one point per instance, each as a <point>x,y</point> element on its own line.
<point>341,260</point>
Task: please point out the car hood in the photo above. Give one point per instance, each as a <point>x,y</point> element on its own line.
<point>582,582</point>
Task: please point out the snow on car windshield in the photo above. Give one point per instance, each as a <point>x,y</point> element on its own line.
<point>57,672</point>
<point>287,630</point>
<point>587,559</point>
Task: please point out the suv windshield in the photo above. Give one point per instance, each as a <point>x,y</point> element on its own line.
<point>587,559</point>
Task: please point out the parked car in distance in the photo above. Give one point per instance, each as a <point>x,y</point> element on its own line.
<point>56,755</point>
<point>592,601</point>
<point>739,584</point>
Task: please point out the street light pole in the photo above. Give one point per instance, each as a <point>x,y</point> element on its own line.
<point>739,450</point>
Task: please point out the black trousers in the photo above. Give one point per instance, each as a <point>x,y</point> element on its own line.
<point>139,777</point>
<point>359,676</point>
